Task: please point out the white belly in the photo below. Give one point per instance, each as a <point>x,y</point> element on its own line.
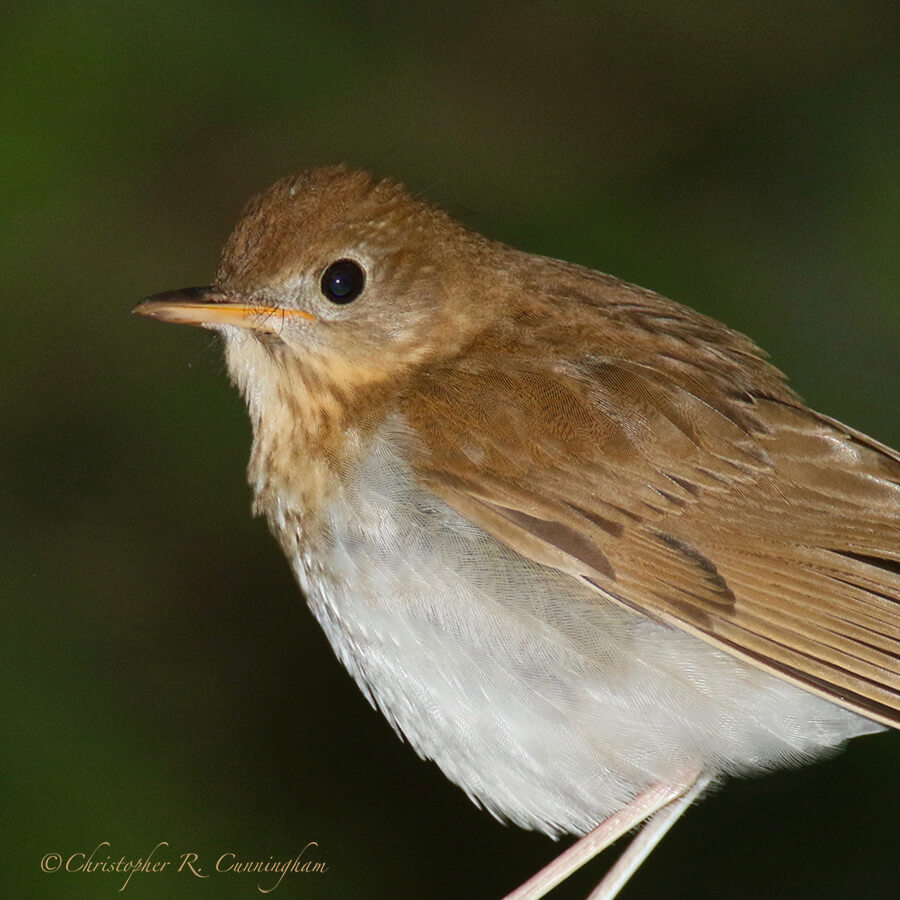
<point>548,704</point>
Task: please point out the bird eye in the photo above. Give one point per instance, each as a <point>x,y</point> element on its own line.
<point>343,281</point>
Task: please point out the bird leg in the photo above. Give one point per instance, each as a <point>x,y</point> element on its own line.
<point>646,839</point>
<point>670,798</point>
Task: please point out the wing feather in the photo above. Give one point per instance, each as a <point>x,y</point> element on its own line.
<point>738,515</point>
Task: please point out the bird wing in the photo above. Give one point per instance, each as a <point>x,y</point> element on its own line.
<point>745,518</point>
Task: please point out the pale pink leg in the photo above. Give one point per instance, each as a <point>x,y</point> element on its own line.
<point>642,807</point>
<point>647,838</point>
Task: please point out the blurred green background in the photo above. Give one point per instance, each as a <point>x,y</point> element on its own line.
<point>163,680</point>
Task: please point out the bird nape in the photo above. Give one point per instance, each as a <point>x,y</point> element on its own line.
<point>582,545</point>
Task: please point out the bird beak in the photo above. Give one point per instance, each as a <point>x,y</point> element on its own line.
<point>211,306</point>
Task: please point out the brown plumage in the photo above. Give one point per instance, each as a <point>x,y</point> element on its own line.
<point>676,470</point>
<point>502,479</point>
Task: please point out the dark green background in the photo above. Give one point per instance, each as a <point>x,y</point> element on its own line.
<point>162,678</point>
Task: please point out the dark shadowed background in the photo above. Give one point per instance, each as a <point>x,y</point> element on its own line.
<point>162,678</point>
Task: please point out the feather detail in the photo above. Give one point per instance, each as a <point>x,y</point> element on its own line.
<point>731,511</point>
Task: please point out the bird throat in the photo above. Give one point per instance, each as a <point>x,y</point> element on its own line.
<point>312,420</point>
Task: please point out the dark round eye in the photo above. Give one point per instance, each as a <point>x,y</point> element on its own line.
<point>343,281</point>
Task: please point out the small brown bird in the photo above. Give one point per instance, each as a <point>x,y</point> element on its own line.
<point>580,544</point>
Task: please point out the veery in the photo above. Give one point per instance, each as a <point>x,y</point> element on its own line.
<point>581,545</point>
